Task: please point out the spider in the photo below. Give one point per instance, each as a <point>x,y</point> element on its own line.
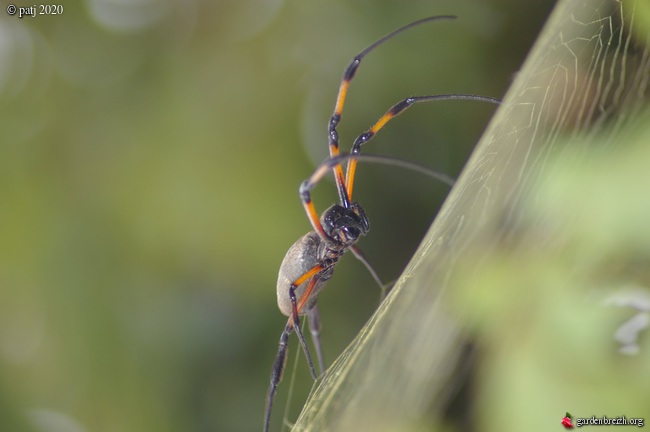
<point>310,261</point>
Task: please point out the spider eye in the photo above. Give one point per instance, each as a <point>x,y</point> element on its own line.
<point>352,232</point>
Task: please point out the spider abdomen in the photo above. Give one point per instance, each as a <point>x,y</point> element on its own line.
<point>308,251</point>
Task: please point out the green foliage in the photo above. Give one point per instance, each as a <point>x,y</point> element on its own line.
<point>149,165</point>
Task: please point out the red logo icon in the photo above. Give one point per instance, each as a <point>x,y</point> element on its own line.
<point>566,421</point>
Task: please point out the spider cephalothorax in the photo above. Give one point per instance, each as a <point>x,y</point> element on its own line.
<point>345,225</point>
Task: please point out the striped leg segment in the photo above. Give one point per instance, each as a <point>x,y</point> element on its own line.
<point>293,323</point>
<point>349,73</point>
<point>396,110</point>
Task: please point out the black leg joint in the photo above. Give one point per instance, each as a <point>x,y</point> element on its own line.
<point>361,139</point>
<point>334,138</point>
<point>401,106</point>
<point>303,191</point>
<point>352,69</point>
<point>334,121</point>
<point>292,293</point>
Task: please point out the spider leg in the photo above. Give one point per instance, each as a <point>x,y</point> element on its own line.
<point>294,319</point>
<point>297,306</point>
<point>349,73</point>
<point>276,372</point>
<point>307,203</point>
<point>315,328</point>
<point>280,362</point>
<point>362,257</point>
<point>393,112</point>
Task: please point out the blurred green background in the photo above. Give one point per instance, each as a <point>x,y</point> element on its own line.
<point>150,159</point>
